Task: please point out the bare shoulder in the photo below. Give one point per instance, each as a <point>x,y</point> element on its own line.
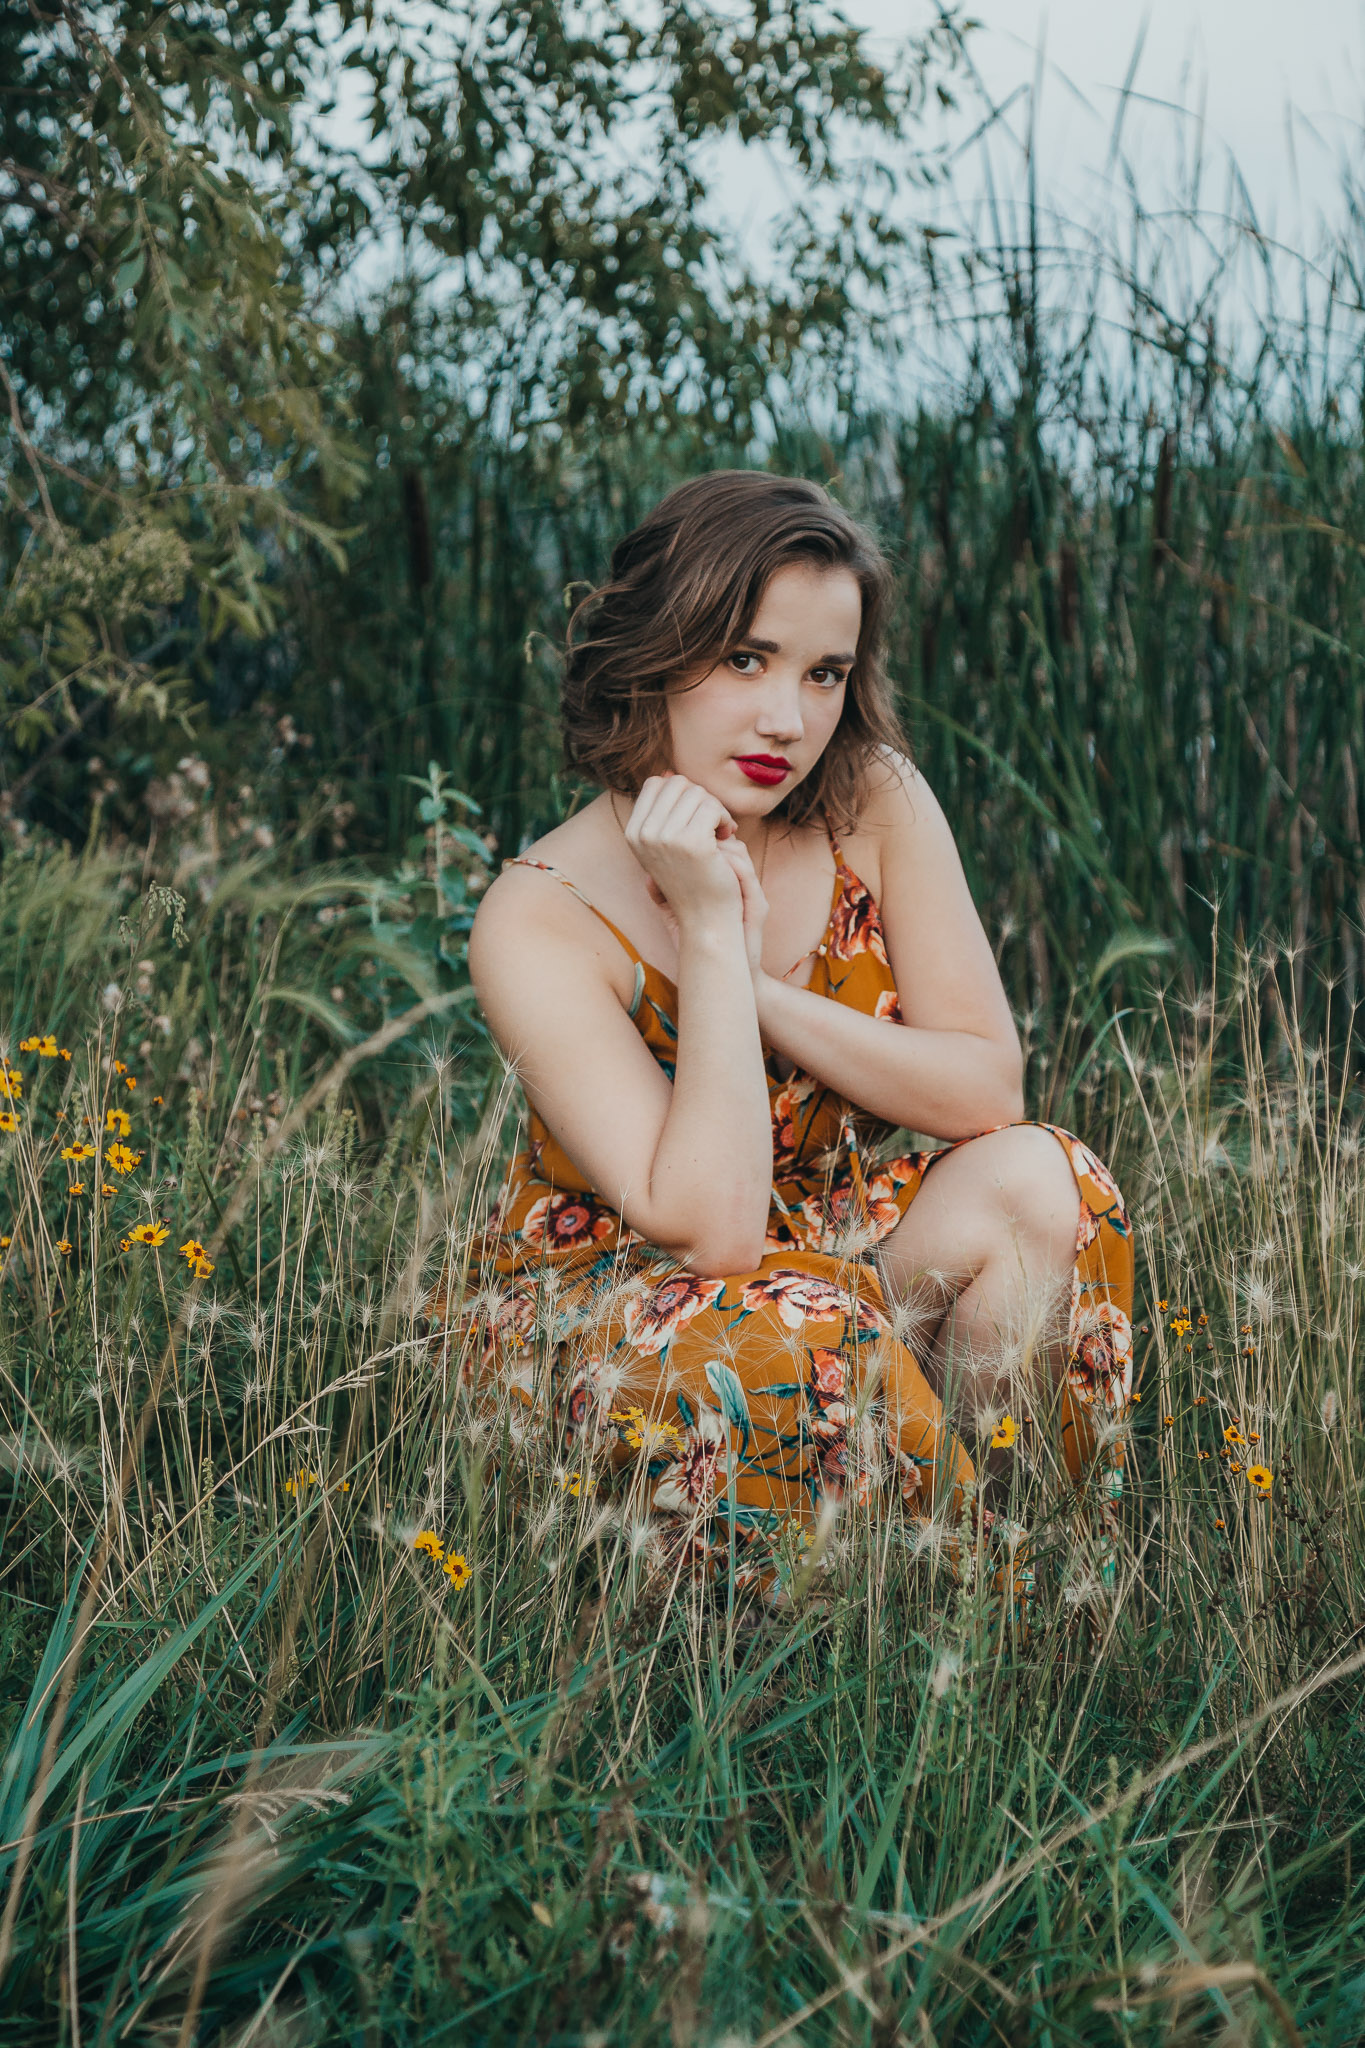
<point>899,822</point>
<point>899,796</point>
<point>529,924</point>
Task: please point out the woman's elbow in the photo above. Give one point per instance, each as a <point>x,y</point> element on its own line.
<point>723,1260</point>
<point>995,1098</point>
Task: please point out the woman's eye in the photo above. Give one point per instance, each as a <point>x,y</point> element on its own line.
<point>736,659</point>
<point>828,678</point>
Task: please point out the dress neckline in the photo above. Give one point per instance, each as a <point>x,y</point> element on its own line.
<point>844,877</point>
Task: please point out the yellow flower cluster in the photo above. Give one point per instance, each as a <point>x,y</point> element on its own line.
<point>45,1046</point>
<point>198,1260</point>
<point>453,1563</point>
<point>11,1082</point>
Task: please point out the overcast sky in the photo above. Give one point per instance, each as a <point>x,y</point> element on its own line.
<point>1279,82</point>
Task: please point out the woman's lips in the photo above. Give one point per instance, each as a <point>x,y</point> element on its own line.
<point>766,769</point>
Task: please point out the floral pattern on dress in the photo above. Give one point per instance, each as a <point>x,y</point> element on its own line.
<point>856,926</point>
<point>653,1320</point>
<point>787,1106</point>
<point>845,1206</point>
<point>1101,1345</point>
<point>798,1297</point>
<point>561,1223</point>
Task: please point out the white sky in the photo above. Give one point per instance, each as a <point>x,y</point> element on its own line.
<point>1279,83</point>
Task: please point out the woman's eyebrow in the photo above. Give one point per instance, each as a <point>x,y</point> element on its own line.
<point>775,647</point>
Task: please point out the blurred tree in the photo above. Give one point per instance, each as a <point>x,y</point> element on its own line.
<point>163,377</point>
<point>523,201</point>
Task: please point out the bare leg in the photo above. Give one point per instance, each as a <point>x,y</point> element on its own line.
<point>979,1270</point>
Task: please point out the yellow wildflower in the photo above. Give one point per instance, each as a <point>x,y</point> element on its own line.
<point>78,1151</point>
<point>9,1120</point>
<point>122,1160</point>
<point>1260,1478</point>
<point>77,1187</point>
<point>456,1569</point>
<point>105,1188</point>
<point>1233,1435</point>
<point>149,1233</point>
<point>653,1438</point>
<point>302,1479</point>
<point>427,1540</point>
<point>574,1483</point>
<point>45,1047</point>
<point>1007,1429</point>
<point>192,1250</point>
<point>11,1083</point>
<point>64,1246</point>
<point>119,1067</point>
<point>202,1268</point>
<point>119,1122</point>
<point>130,1081</point>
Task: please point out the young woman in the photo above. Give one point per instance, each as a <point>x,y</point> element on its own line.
<point>724,985</point>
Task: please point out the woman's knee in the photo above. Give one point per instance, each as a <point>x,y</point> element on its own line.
<point>1026,1173</point>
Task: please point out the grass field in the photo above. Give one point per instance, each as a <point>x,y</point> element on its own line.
<point>274,1775</point>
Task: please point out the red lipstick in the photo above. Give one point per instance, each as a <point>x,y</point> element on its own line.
<point>765,769</point>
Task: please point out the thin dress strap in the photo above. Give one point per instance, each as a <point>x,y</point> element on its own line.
<point>523,861</point>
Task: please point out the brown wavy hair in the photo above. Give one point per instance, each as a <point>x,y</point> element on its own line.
<point>683,591</point>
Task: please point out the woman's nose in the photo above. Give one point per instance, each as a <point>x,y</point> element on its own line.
<point>779,714</point>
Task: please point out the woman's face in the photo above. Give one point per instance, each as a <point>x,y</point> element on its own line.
<point>760,720</point>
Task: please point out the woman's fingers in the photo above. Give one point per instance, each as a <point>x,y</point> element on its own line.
<point>753,902</point>
<point>670,807</point>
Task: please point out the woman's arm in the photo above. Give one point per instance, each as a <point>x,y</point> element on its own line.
<point>954,1067</point>
<point>688,1166</point>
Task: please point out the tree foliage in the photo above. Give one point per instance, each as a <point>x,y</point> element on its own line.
<point>213,214</point>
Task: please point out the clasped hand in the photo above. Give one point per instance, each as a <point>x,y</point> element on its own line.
<point>697,868</point>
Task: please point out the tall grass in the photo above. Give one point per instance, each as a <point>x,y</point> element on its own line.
<point>273,1775</point>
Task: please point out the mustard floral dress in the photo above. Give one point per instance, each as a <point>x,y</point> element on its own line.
<point>735,1407</point>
